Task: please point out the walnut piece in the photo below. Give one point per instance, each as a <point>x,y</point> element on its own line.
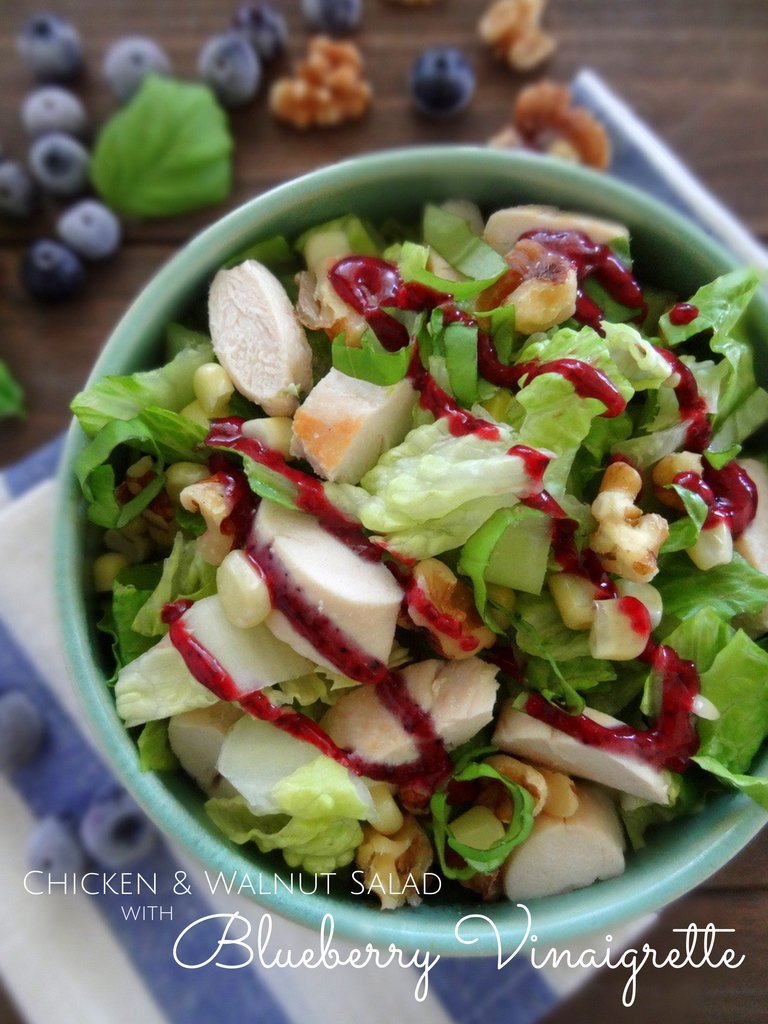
<point>626,541</point>
<point>442,604</point>
<point>541,285</point>
<point>513,29</point>
<point>393,866</point>
<point>544,119</point>
<point>211,499</point>
<point>326,89</point>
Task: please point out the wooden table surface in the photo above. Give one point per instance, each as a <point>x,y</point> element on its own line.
<point>697,70</point>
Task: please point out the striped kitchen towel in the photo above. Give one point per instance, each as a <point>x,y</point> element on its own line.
<point>107,957</point>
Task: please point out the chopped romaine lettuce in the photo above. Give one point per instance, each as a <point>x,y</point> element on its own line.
<point>453,238</point>
<point>318,845</point>
<point>158,684</point>
<point>732,589</point>
<point>185,575</point>
<point>155,754</point>
<point>122,398</point>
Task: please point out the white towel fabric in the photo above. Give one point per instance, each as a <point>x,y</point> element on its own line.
<point>75,957</point>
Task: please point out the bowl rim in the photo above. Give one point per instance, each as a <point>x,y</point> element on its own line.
<point>732,818</point>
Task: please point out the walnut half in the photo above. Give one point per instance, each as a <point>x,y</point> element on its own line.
<point>327,88</point>
<point>394,865</point>
<point>513,29</point>
<point>626,541</point>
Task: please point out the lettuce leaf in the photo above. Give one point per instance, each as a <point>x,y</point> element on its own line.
<point>320,788</point>
<point>540,631</point>
<point>737,684</point>
<point>684,532</point>
<point>132,587</point>
<point>371,361</point>
<point>479,860</point>
<point>453,238</point>
<point>185,574</point>
<point>753,786</point>
<point>158,684</point>
<point>638,816</point>
<point>432,492</point>
<point>720,303</point>
<point>123,398</point>
<point>511,549</point>
<point>155,754</point>
<point>318,845</point>
<point>412,263</point>
<point>727,590</point>
<point>157,432</point>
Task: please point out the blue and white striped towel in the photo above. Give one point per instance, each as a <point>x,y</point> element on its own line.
<point>75,957</point>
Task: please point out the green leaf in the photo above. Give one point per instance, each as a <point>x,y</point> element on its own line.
<point>184,575</point>
<point>11,394</point>
<point>482,861</point>
<point>720,303</point>
<point>453,238</point>
<point>167,387</point>
<point>638,815</point>
<point>737,684</point>
<point>412,263</point>
<point>155,754</point>
<point>130,590</point>
<point>728,590</point>
<point>684,533</point>
<point>371,361</point>
<point>460,343</point>
<point>753,786</point>
<point>318,845</point>
<point>97,477</point>
<point>166,152</point>
<point>541,632</point>
<point>176,438</point>
<point>511,549</point>
<point>434,490</point>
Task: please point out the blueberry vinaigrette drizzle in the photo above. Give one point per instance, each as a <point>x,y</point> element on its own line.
<point>601,264</point>
<point>729,493</point>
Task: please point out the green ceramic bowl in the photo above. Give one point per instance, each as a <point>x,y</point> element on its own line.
<point>669,252</point>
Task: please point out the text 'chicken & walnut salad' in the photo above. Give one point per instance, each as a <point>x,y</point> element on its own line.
<point>438,546</point>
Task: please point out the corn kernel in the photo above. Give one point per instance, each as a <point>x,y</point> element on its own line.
<point>613,636</point>
<point>713,547</point>
<point>498,406</point>
<point>243,592</point>
<point>275,432</point>
<point>194,411</point>
<point>646,593</point>
<point>105,568</point>
<point>478,827</point>
<point>504,597</point>
<point>213,389</point>
<point>136,549</point>
<point>386,816</point>
<point>180,475</point>
<point>575,599</point>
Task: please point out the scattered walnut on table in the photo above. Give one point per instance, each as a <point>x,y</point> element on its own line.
<point>513,29</point>
<point>545,119</point>
<point>327,88</point>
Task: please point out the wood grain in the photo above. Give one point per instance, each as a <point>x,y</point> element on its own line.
<point>696,71</point>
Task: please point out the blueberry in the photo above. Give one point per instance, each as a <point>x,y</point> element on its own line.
<point>53,109</point>
<point>115,832</point>
<point>264,27</point>
<point>51,272</point>
<point>50,46</point>
<point>229,65</point>
<point>333,16</point>
<point>21,730</point>
<point>91,229</point>
<point>128,61</point>
<point>442,81</point>
<point>59,164</point>
<point>53,849</point>
<point>18,192</point>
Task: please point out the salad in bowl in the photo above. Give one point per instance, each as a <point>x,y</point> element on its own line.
<point>434,549</point>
